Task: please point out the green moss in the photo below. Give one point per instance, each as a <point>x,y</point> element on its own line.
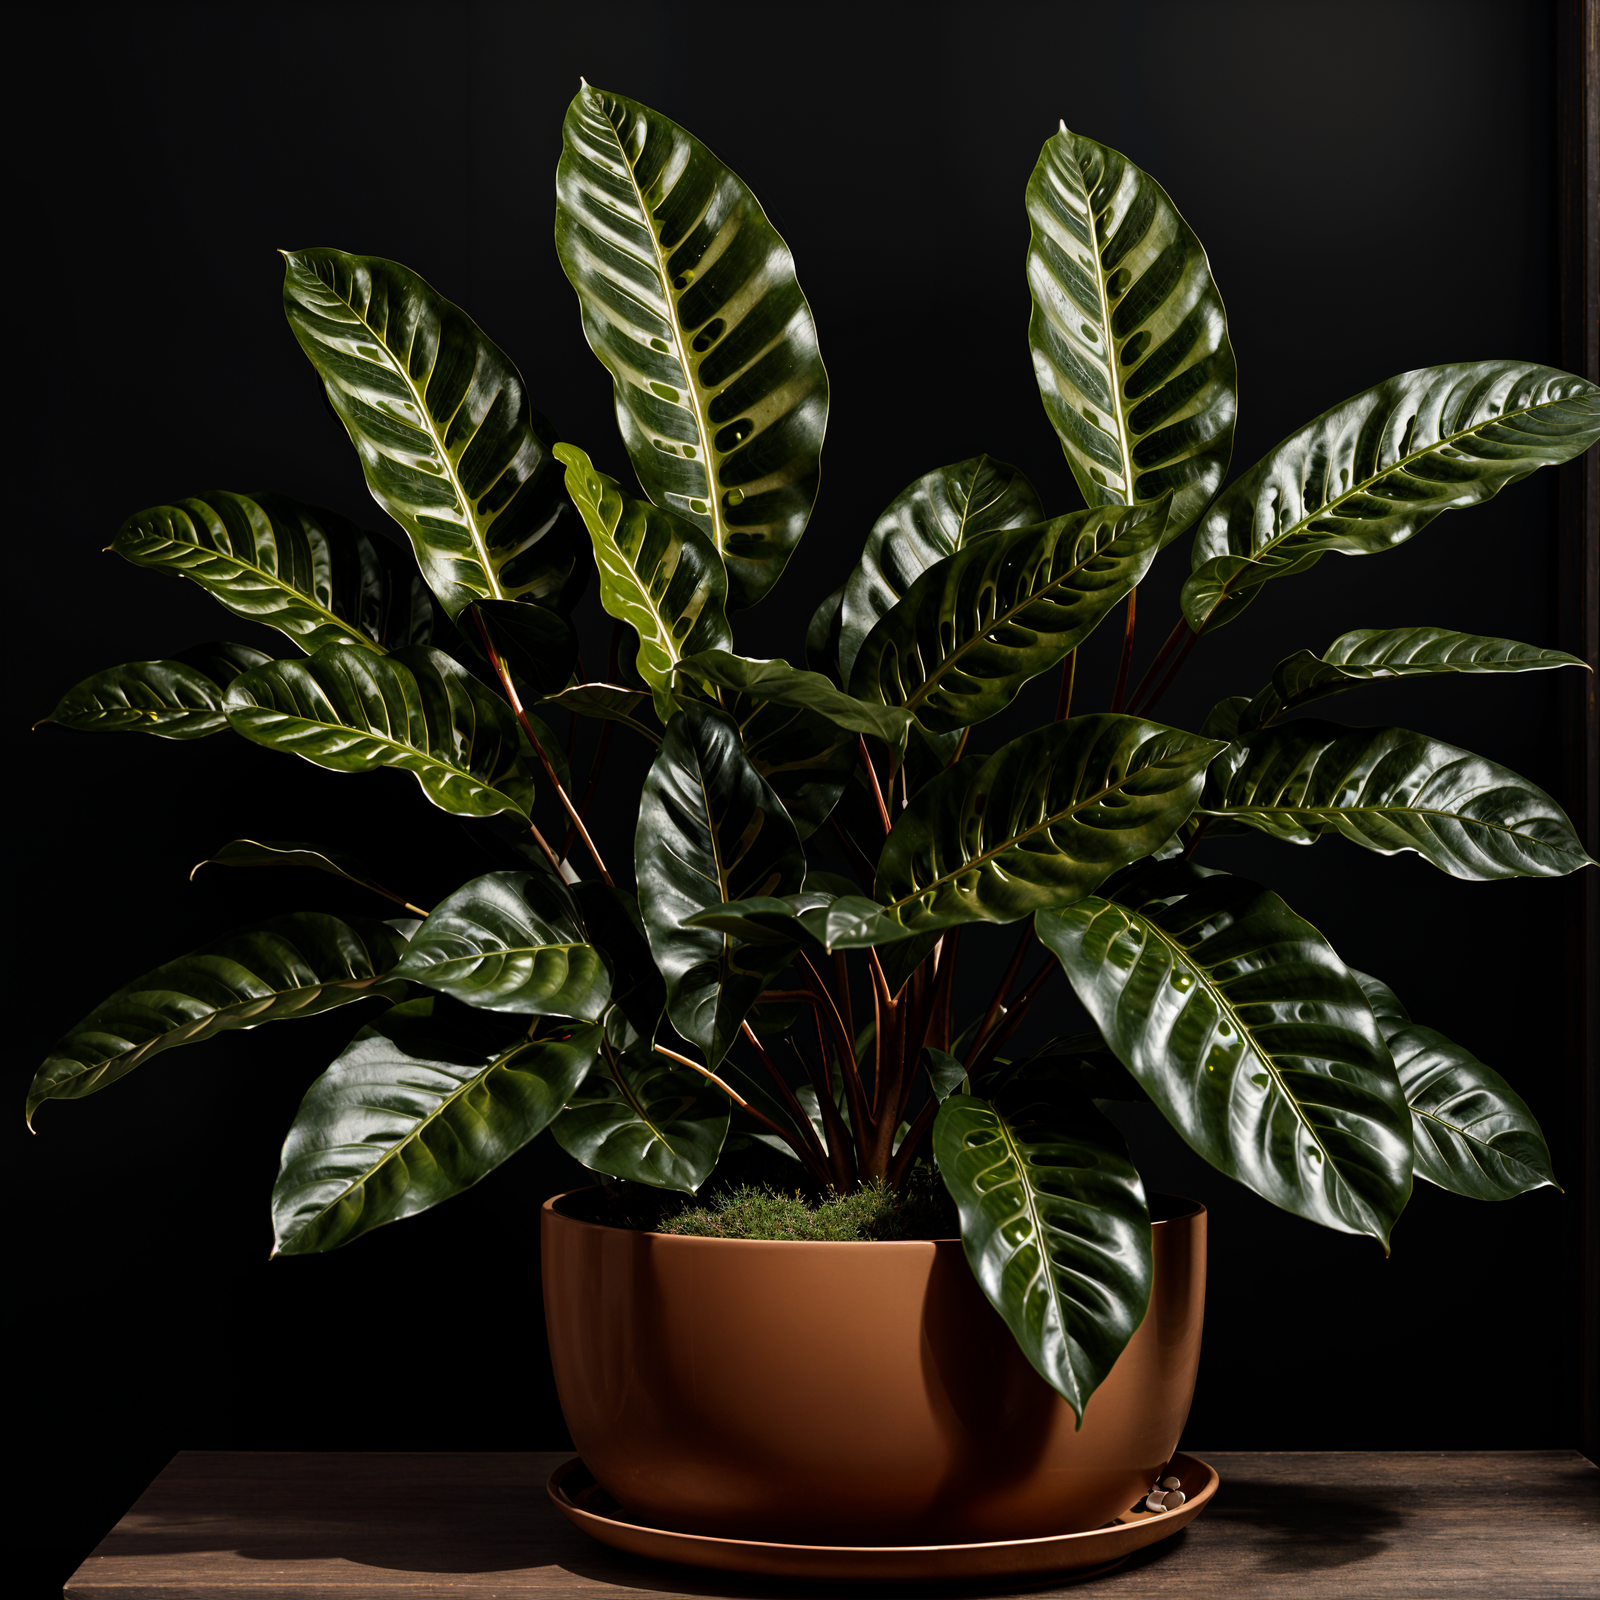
<point>872,1212</point>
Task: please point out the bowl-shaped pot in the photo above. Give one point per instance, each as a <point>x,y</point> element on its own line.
<point>849,1393</point>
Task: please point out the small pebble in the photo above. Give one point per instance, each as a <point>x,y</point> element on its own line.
<point>1172,1500</point>
<point>1172,1483</point>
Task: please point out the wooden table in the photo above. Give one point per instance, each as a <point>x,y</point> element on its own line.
<point>297,1526</point>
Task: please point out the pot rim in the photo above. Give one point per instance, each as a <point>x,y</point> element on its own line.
<point>1189,1208</point>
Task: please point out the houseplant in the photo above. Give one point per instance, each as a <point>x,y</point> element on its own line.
<point>518,551</point>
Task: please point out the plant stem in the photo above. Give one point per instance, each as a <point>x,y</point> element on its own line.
<point>1009,978</point>
<point>853,852</point>
<point>818,1156</point>
<point>841,1150</point>
<point>1127,653</point>
<point>854,1090</point>
<point>1200,828</point>
<point>906,1154</point>
<point>594,779</point>
<point>1069,676</point>
<point>841,978</point>
<point>1014,1016</point>
<point>538,749</point>
<point>1172,672</point>
<point>872,772</point>
<point>1168,645</point>
<point>549,854</point>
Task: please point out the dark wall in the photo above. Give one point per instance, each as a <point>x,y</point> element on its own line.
<point>1373,183</point>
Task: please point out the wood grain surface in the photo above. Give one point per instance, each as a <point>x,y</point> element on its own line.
<point>1412,1525</point>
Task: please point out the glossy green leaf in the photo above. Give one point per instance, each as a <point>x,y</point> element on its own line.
<point>415,709</point>
<point>414,1110</point>
<point>449,444</point>
<point>1129,337</point>
<point>612,924</point>
<point>976,626</point>
<point>178,699</point>
<point>844,922</point>
<point>658,573</point>
<point>538,645</point>
<point>1389,790</point>
<point>822,636</point>
<point>1373,471</point>
<point>511,941</point>
<point>1254,1040</point>
<point>1472,1133</point>
<point>804,756</point>
<point>608,701</point>
<point>711,830</point>
<point>1042,821</point>
<point>643,1118</point>
<point>291,966</point>
<point>304,571</point>
<point>1369,653</point>
<point>784,685</point>
<point>930,519</point>
<point>689,299</point>
<point>291,853</point>
<point>1055,1228</point>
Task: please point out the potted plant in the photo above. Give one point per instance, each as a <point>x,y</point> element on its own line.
<point>780,963</point>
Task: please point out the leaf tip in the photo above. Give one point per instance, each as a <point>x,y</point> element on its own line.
<point>1061,127</point>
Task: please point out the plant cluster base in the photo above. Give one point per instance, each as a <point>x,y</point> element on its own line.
<point>1064,1557</point>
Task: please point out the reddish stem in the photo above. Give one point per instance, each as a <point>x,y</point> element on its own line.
<point>872,772</point>
<point>1015,1015</point>
<point>1168,645</point>
<point>1004,988</point>
<point>1069,676</point>
<point>1172,672</point>
<point>1127,654</point>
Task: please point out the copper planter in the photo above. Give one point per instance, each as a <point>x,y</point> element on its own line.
<point>849,1393</point>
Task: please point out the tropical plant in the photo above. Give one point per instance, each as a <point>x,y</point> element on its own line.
<point>811,841</point>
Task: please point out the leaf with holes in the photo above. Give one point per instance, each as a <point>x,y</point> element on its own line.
<point>306,572</point>
<point>710,830</point>
<point>291,966</point>
<point>511,941</point>
<point>1255,1041</point>
<point>449,444</point>
<point>420,1105</point>
<point>1129,337</point>
<point>1055,1228</point>
<point>1377,469</point>
<point>658,573</point>
<point>1389,790</point>
<point>1367,654</point>
<point>979,624</point>
<point>934,517</point>
<point>1042,821</point>
<point>690,301</point>
<point>184,698</point>
<point>352,711</point>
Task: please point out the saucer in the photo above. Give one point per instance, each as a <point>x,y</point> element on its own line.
<point>1066,1555</point>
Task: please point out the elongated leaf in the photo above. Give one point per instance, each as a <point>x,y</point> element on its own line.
<point>1129,338</point>
<point>845,922</point>
<point>608,701</point>
<point>710,830</point>
<point>689,299</point>
<point>307,572</point>
<point>416,709</point>
<point>178,699</point>
<point>1042,821</point>
<point>449,444</point>
<point>930,519</point>
<point>1055,1228</point>
<point>290,853</point>
<point>511,941</point>
<point>646,1119</point>
<point>1368,653</point>
<point>1389,790</point>
<point>658,573</point>
<point>1472,1133</point>
<point>1254,1040</point>
<point>1378,468</point>
<point>978,625</point>
<point>784,685</point>
<point>413,1111</point>
<point>805,756</point>
<point>291,966</point>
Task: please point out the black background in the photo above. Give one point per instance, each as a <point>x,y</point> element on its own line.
<point>1374,186</point>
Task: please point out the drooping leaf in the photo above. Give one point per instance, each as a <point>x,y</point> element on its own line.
<point>608,701</point>
<point>945,1073</point>
<point>1042,821</point>
<point>822,636</point>
<point>930,519</point>
<point>844,922</point>
<point>1472,1133</point>
<point>449,444</point>
<point>689,299</point>
<point>291,966</point>
<point>644,1118</point>
<point>658,573</point>
<point>415,1109</point>
<point>977,625</point>
<point>711,830</point>
<point>1369,653</point>
<point>511,941</point>
<point>1129,337</point>
<point>290,853</point>
<point>307,572</point>
<point>416,709</point>
<point>1055,1228</point>
<point>804,756</point>
<point>1373,471</point>
<point>182,698</point>
<point>1254,1040</point>
<point>1389,790</point>
<point>784,685</point>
